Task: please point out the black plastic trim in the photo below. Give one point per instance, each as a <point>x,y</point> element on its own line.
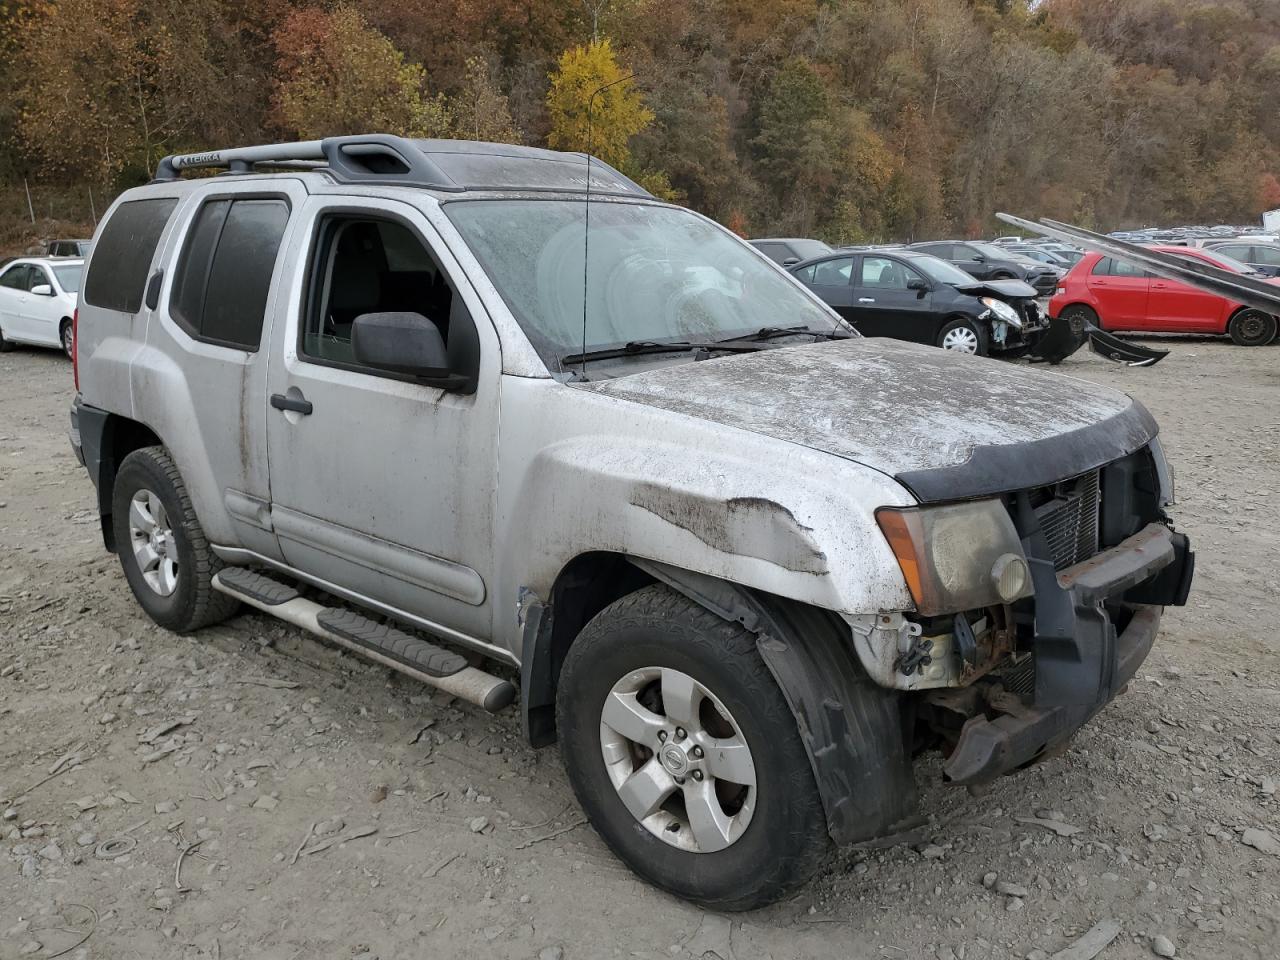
<point>1004,468</point>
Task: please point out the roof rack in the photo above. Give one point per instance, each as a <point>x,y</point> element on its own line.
<point>446,165</point>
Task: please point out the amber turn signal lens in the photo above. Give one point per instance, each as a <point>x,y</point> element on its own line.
<point>894,525</point>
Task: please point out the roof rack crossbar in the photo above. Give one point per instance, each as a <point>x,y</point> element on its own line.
<point>239,158</point>
<point>377,158</point>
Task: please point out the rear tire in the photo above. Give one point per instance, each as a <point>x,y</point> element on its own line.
<point>163,550</point>
<point>1252,328</point>
<point>644,650</point>
<point>963,336</point>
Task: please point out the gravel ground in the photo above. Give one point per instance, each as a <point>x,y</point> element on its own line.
<point>211,762</point>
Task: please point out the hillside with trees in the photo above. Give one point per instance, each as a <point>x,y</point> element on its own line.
<point>846,119</point>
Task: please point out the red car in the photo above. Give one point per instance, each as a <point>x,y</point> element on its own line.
<point>1118,296</point>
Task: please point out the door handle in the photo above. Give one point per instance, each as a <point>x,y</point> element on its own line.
<point>297,404</point>
<point>866,300</point>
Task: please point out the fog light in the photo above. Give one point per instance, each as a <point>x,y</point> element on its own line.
<point>1010,577</point>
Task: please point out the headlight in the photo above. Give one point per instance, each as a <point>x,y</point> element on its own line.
<point>1003,311</point>
<point>957,557</point>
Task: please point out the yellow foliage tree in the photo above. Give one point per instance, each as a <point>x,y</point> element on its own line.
<point>339,75</point>
<point>617,112</point>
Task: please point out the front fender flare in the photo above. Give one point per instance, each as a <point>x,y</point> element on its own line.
<point>853,731</point>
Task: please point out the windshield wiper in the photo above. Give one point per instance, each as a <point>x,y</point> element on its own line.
<point>636,348</point>
<point>773,333</point>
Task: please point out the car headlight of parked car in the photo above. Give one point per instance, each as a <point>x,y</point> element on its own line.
<point>956,557</point>
<point>1003,311</point>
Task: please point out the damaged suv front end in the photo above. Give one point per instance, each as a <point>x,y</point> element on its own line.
<point>1033,608</point>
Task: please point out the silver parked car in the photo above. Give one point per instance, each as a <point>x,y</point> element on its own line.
<point>741,563</point>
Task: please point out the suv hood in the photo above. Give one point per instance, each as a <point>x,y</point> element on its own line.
<point>946,426</point>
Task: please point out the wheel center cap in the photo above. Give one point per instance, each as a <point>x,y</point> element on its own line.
<point>674,759</point>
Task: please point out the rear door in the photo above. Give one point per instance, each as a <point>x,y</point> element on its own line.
<point>1121,292</point>
<point>832,280</point>
<point>14,284</point>
<point>223,259</point>
<point>887,306</point>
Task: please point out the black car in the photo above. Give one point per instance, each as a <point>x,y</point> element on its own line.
<point>68,248</point>
<point>1262,255</point>
<point>910,295</point>
<point>789,250</point>
<point>987,261</point>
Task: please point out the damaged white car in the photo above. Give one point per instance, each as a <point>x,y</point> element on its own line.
<point>428,401</point>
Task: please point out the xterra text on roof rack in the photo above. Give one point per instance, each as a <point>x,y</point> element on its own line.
<point>745,563</point>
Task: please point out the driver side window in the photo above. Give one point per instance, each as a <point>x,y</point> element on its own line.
<point>882,273</point>
<point>363,265</point>
<point>16,278</point>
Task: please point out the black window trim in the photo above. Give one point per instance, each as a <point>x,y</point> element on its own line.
<point>312,278</point>
<point>180,260</point>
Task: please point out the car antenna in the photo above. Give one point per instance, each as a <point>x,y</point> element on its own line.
<point>586,213</point>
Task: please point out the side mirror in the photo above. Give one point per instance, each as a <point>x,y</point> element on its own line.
<point>42,290</point>
<point>979,258</point>
<point>405,343</point>
<point>915,283</point>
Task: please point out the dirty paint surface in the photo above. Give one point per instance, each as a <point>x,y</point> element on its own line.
<point>889,405</point>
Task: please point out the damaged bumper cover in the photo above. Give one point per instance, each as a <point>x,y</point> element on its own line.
<point>1095,624</point>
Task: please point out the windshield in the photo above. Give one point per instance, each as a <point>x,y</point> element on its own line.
<point>69,276</point>
<point>940,270</point>
<point>991,251</point>
<point>656,273</point>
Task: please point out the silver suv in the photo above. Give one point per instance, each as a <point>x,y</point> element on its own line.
<point>496,417</point>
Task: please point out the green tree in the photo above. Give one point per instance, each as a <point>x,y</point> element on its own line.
<point>338,75</point>
<point>616,113</point>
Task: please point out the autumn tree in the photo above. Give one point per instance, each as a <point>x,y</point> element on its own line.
<point>337,75</point>
<point>481,110</point>
<point>593,104</point>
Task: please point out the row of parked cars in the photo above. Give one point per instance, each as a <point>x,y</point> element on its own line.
<point>986,296</point>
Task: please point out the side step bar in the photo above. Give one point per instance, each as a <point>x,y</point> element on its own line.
<point>384,644</point>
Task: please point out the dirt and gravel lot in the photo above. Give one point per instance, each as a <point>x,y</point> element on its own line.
<point>428,829</point>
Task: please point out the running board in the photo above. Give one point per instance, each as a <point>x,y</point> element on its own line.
<point>379,642</point>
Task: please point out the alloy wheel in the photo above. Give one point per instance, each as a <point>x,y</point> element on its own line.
<point>154,546</point>
<point>678,759</point>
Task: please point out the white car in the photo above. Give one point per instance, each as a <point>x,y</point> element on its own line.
<point>38,302</point>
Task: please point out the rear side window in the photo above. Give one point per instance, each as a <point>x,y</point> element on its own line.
<point>118,274</point>
<point>221,285</point>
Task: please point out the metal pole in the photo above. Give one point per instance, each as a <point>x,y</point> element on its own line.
<point>92,209</point>
<point>30,208</point>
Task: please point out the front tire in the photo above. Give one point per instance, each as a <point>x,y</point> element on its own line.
<point>682,751</point>
<point>67,335</point>
<point>163,550</point>
<point>963,336</point>
<point>1252,328</point>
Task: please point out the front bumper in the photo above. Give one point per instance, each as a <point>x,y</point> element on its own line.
<point>1095,623</point>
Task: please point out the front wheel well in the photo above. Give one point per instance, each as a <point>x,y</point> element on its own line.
<point>586,585</point>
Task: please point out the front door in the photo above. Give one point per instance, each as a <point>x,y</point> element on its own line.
<point>44,310</point>
<point>888,305</point>
<point>1121,292</point>
<point>381,486</point>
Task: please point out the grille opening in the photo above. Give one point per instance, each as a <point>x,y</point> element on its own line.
<point>1068,516</point>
